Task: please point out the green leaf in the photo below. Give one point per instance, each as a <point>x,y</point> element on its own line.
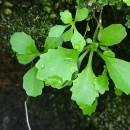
<point>31,84</point>
<point>66,17</point>
<point>88,110</point>
<point>112,35</point>
<point>119,71</point>
<point>25,58</point>
<point>83,89</point>
<point>94,46</point>
<point>78,40</point>
<point>67,35</point>
<point>127,2</point>
<point>101,82</point>
<point>118,92</point>
<point>81,14</point>
<point>109,53</point>
<point>57,30</point>
<point>57,66</point>
<point>23,43</point>
<point>52,43</point>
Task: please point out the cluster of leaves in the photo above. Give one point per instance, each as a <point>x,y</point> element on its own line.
<point>59,67</point>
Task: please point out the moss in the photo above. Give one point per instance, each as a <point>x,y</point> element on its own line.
<point>32,17</point>
<point>23,16</point>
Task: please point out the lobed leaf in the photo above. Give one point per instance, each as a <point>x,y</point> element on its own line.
<point>101,82</point>
<point>57,66</point>
<point>31,84</point>
<point>66,17</point>
<point>88,110</point>
<point>83,89</point>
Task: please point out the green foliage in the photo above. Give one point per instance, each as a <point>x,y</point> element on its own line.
<point>112,35</point>
<point>24,46</point>
<point>23,43</point>
<point>67,35</point>
<point>60,64</point>
<point>81,14</point>
<point>77,40</point>
<point>119,71</point>
<point>52,43</point>
<point>83,89</point>
<point>57,66</point>
<point>31,84</point>
<point>101,82</point>
<point>57,31</point>
<point>127,2</point>
<point>66,17</point>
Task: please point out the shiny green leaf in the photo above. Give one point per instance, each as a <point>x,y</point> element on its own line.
<point>31,84</point>
<point>57,66</point>
<point>101,82</point>
<point>23,43</point>
<point>67,35</point>
<point>88,110</point>
<point>25,58</point>
<point>83,89</point>
<point>57,30</point>
<point>78,40</point>
<point>119,71</point>
<point>112,35</point>
<point>81,14</point>
<point>66,17</point>
<point>52,43</point>
<point>109,53</point>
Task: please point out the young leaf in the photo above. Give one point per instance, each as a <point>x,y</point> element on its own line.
<point>83,89</point>
<point>57,66</point>
<point>119,71</point>
<point>112,35</point>
<point>52,43</point>
<point>78,40</point>
<point>23,43</point>
<point>57,30</point>
<point>67,35</point>
<point>127,2</point>
<point>109,53</point>
<point>88,110</point>
<point>94,46</point>
<point>25,58</point>
<point>66,17</point>
<point>101,82</point>
<point>31,84</point>
<point>81,14</point>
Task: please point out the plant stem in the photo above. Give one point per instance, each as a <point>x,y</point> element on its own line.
<point>90,58</point>
<point>99,25</point>
<point>82,57</point>
<point>26,110</point>
<point>100,54</point>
